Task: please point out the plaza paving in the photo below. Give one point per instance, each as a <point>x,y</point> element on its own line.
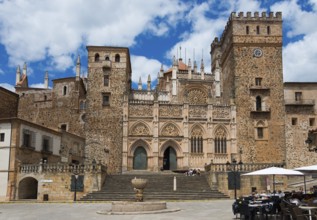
<point>198,210</point>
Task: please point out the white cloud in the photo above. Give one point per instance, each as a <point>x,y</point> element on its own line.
<point>142,67</point>
<point>8,86</point>
<point>56,29</point>
<point>37,85</point>
<point>1,72</point>
<point>299,56</point>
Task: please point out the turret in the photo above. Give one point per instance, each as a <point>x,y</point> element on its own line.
<point>46,80</point>
<point>140,84</point>
<point>161,71</point>
<point>78,68</point>
<point>149,83</point>
<point>189,69</point>
<point>24,69</point>
<point>217,72</point>
<point>18,75</point>
<point>158,78</point>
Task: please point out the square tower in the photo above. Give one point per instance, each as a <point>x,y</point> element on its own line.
<point>109,80</point>
<point>250,55</point>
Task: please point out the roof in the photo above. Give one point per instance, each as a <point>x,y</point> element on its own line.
<point>181,66</point>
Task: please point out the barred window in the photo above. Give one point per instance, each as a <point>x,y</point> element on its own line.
<point>196,144</point>
<point>220,142</point>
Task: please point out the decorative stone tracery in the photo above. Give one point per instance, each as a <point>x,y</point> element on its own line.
<point>140,129</point>
<point>221,112</point>
<point>197,112</point>
<point>197,132</point>
<point>197,97</point>
<point>141,110</point>
<point>170,130</point>
<point>170,111</point>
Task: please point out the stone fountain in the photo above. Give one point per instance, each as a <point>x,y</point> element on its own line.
<point>138,206</point>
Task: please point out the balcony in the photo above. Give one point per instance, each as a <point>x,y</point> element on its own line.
<point>261,110</point>
<point>106,64</point>
<point>257,88</point>
<point>303,102</point>
<point>46,150</point>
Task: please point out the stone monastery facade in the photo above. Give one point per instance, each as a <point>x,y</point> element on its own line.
<point>190,119</point>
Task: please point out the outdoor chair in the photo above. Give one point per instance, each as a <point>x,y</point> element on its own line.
<point>297,213</point>
<point>285,212</point>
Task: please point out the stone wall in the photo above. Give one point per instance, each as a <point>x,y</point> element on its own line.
<point>54,180</point>
<point>9,103</point>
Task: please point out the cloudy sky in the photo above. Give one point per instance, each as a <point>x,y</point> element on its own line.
<point>48,35</point>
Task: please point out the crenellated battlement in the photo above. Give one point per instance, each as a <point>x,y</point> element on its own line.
<point>246,17</point>
<point>256,16</point>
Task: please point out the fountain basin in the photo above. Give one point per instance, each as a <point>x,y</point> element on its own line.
<point>137,206</point>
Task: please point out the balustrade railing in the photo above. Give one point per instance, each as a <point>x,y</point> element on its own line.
<point>61,168</point>
<point>245,167</point>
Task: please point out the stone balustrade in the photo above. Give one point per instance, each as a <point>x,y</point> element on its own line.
<point>245,167</point>
<point>61,168</point>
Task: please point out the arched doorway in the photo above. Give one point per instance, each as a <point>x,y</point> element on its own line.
<point>170,159</point>
<point>140,159</point>
<point>28,188</point>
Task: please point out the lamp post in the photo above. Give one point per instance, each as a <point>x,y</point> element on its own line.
<point>234,167</point>
<point>75,190</point>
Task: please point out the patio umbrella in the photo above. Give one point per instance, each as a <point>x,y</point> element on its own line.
<point>307,170</point>
<point>274,171</point>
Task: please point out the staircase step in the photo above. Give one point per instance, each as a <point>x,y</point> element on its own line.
<point>159,187</point>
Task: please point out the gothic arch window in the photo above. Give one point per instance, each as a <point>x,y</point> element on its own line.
<point>220,141</point>
<point>258,103</point>
<point>97,57</point>
<point>117,58</point>
<point>196,140</point>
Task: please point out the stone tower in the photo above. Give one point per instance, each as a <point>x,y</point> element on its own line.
<point>250,56</point>
<point>109,79</point>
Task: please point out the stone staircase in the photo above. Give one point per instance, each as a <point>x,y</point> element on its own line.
<point>159,187</point>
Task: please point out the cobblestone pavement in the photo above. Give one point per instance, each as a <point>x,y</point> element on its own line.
<point>198,210</point>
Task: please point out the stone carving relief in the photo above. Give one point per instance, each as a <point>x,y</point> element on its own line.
<point>140,130</point>
<point>197,97</point>
<point>170,111</point>
<point>140,110</point>
<point>197,112</point>
<point>170,130</point>
<point>197,132</point>
<point>220,132</point>
<point>221,112</point>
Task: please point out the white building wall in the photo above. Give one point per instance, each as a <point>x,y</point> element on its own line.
<point>4,158</point>
<point>56,139</point>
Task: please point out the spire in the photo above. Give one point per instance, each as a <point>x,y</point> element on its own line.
<point>202,69</point>
<point>140,84</point>
<point>78,66</point>
<point>149,82</point>
<point>189,69</point>
<point>46,80</point>
<point>174,61</point>
<point>18,75</point>
<point>161,70</point>
<point>195,67</point>
<point>24,69</point>
<point>158,78</point>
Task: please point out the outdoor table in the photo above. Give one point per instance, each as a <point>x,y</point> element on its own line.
<point>309,208</point>
<point>260,207</point>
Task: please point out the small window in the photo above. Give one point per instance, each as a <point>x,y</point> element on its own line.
<point>117,58</point>
<point>294,121</point>
<point>105,99</point>
<point>1,137</point>
<point>64,127</point>
<point>247,30</point>
<point>28,138</point>
<point>257,29</point>
<point>312,122</point>
<point>258,81</point>
<point>65,90</point>
<point>106,80</point>
<point>258,103</point>
<point>46,144</point>
<point>268,29</point>
<point>298,96</point>
<point>97,57</point>
<point>107,58</point>
<point>260,133</point>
